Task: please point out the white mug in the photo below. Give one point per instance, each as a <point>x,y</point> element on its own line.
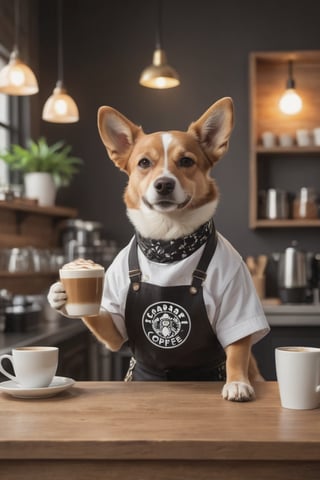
<point>286,140</point>
<point>316,136</point>
<point>268,139</point>
<point>34,367</point>
<point>303,137</point>
<point>298,375</point>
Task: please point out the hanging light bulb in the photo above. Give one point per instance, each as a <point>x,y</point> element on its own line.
<point>290,103</point>
<point>160,74</point>
<point>60,107</point>
<point>16,78</point>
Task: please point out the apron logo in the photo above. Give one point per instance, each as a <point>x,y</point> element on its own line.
<point>166,324</point>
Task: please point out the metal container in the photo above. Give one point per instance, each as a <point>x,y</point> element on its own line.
<point>85,233</point>
<point>305,204</point>
<point>292,275</point>
<point>23,315</point>
<point>277,204</point>
<point>5,301</point>
<point>81,235</point>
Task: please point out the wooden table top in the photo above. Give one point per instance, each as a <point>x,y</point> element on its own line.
<point>149,420</point>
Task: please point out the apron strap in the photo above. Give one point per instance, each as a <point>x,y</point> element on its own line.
<point>199,275</point>
<point>134,267</point>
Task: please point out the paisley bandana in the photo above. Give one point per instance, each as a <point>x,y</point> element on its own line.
<point>169,251</point>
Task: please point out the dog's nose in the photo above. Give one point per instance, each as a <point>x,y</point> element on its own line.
<point>164,185</point>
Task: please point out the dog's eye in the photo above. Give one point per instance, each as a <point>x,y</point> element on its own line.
<point>185,162</point>
<point>144,163</point>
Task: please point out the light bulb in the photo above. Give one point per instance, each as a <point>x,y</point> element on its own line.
<point>290,103</point>
<point>161,82</point>
<point>60,107</point>
<point>17,77</point>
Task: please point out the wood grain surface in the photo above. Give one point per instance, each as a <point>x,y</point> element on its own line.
<point>157,430</point>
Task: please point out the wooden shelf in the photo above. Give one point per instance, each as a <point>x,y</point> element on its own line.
<point>272,167</point>
<point>24,224</point>
<point>290,223</point>
<point>27,283</point>
<point>23,206</point>
<point>30,275</point>
<point>295,150</point>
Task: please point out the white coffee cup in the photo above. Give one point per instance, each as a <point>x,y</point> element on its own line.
<point>316,136</point>
<point>303,137</point>
<point>298,375</point>
<point>285,140</point>
<point>34,367</point>
<point>268,139</point>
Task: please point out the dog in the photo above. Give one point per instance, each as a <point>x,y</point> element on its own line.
<point>179,293</point>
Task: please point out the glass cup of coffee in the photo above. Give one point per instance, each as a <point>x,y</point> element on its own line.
<point>83,282</point>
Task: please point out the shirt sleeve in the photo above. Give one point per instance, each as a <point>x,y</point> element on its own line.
<point>240,312</point>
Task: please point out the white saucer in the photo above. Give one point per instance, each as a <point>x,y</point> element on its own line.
<point>57,385</point>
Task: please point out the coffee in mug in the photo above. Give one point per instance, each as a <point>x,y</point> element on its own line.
<point>34,367</point>
<point>298,375</point>
<point>83,282</point>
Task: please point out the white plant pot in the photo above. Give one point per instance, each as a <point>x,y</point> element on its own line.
<point>40,185</point>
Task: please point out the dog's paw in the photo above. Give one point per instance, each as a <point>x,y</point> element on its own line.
<point>238,392</point>
<point>57,296</point>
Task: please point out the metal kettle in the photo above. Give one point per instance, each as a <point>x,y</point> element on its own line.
<point>292,275</point>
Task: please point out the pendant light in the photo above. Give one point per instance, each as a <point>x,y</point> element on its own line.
<point>16,78</point>
<point>290,103</point>
<point>160,74</point>
<point>60,107</point>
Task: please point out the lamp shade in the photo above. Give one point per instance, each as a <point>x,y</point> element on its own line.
<point>160,74</point>
<point>60,107</point>
<point>16,78</point>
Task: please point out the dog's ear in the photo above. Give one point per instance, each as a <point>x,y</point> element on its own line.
<point>213,129</point>
<point>118,135</point>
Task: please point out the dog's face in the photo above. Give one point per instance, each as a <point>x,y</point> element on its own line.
<point>168,171</point>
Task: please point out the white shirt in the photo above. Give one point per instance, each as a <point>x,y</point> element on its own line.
<point>233,307</point>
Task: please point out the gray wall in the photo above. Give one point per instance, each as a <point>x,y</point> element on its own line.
<point>107,44</point>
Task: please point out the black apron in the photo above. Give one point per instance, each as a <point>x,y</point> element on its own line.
<point>168,328</point>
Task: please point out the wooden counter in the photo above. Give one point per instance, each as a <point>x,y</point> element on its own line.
<point>153,431</point>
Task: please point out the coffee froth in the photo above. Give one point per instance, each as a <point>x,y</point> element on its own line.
<point>82,264</point>
<point>298,349</point>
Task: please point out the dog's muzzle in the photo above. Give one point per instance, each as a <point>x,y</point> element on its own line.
<point>166,195</point>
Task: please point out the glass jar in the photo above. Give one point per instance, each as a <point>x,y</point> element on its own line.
<point>305,204</point>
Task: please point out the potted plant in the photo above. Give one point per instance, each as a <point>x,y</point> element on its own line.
<point>45,167</point>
